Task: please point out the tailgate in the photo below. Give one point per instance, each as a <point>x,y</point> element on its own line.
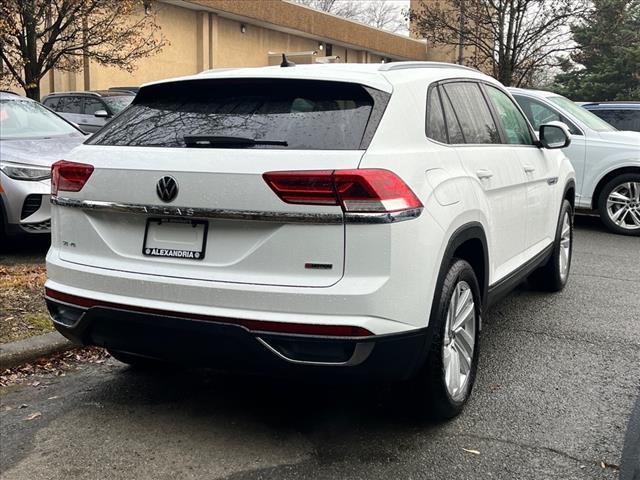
<point>251,235</point>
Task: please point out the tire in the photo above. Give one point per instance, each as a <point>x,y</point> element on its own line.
<point>612,201</point>
<point>136,361</point>
<point>449,352</point>
<point>3,223</point>
<point>554,275</point>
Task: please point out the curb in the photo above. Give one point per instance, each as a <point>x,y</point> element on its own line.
<point>630,463</point>
<point>29,349</point>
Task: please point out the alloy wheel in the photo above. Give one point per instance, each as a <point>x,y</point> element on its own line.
<point>623,205</point>
<point>565,247</point>
<point>459,341</point>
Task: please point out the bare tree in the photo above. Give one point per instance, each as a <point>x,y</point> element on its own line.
<point>512,38</point>
<point>38,35</point>
<point>383,14</point>
<point>342,8</point>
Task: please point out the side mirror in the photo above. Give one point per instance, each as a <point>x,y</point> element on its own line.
<point>554,135</point>
<point>101,114</point>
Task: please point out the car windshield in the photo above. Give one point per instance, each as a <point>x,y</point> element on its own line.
<point>27,119</point>
<point>117,103</point>
<point>585,116</point>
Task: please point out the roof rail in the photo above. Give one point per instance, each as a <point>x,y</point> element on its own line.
<point>613,102</point>
<point>215,70</point>
<point>406,65</point>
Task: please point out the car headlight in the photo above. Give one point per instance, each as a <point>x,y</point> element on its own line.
<point>24,172</point>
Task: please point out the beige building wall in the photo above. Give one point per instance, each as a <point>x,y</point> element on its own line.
<point>223,33</point>
<point>251,49</point>
<point>179,25</point>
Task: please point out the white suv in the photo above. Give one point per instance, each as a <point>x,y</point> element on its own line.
<point>354,220</point>
<point>607,161</point>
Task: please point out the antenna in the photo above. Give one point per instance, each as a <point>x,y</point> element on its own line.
<point>286,62</point>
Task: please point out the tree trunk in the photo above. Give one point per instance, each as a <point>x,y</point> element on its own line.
<point>32,79</point>
<point>461,36</point>
<point>32,73</point>
<point>505,73</point>
<point>33,90</point>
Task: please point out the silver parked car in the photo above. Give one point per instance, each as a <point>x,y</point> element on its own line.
<point>89,110</point>
<point>33,138</point>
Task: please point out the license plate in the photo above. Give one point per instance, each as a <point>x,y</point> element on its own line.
<point>175,238</point>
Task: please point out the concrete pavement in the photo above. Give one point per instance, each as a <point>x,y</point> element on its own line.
<point>557,382</point>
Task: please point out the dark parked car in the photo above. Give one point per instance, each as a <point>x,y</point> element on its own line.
<point>622,115</point>
<point>89,110</point>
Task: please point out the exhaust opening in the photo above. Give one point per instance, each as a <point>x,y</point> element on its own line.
<point>319,352</point>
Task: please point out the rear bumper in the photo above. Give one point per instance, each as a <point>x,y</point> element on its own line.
<point>236,345</point>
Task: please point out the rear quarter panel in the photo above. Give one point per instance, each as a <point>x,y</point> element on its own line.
<point>434,172</point>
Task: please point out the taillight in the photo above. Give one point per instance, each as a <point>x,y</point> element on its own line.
<point>366,190</point>
<point>69,176</point>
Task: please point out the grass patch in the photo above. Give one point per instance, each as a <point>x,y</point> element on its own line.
<point>22,309</point>
<point>40,321</point>
<point>22,276</point>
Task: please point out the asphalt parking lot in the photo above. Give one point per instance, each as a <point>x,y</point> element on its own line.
<point>557,382</point>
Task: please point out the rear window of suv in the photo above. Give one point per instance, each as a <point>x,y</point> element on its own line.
<point>304,114</point>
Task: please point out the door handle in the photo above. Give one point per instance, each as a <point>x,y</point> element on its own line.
<point>484,174</point>
<point>529,169</point>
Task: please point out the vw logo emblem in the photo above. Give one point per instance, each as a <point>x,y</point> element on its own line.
<point>167,189</point>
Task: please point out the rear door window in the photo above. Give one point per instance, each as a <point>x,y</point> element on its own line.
<point>304,114</point>
<point>51,103</point>
<point>453,125</point>
<point>472,111</point>
<point>70,104</point>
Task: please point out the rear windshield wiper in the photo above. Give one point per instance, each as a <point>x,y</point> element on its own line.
<point>214,141</point>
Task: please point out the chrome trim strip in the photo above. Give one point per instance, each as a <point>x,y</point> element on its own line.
<point>375,217</point>
<point>361,352</point>
<point>226,214</point>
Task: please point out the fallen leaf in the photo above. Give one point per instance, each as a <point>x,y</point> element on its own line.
<point>35,384</point>
<point>603,465</point>
<point>33,415</point>
<point>475,452</point>
<point>24,405</point>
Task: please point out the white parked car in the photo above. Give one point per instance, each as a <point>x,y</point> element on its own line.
<point>607,161</point>
<point>350,220</point>
<point>32,137</point>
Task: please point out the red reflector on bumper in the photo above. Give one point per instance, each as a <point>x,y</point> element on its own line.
<point>252,325</point>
